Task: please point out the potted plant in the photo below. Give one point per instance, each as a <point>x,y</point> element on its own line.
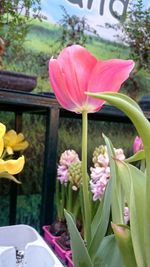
<point>81,85</point>
<point>67,197</point>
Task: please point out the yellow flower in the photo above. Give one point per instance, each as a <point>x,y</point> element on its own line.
<point>14,142</point>
<point>2,129</point>
<point>12,166</point>
<point>2,132</point>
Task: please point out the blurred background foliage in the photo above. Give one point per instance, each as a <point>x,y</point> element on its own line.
<point>31,50</point>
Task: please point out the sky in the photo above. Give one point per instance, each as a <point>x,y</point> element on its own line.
<point>52,10</point>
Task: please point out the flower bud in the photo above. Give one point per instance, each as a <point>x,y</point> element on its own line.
<point>75,174</point>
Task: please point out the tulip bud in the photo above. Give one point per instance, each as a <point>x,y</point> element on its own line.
<point>137,145</point>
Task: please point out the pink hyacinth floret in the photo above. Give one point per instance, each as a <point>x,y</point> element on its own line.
<point>119,153</point>
<point>62,174</point>
<point>67,158</point>
<point>100,176</point>
<point>126,215</point>
<point>101,173</point>
<point>103,159</point>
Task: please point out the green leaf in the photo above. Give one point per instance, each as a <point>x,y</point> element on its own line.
<point>9,176</point>
<point>112,196</point>
<point>129,107</point>
<point>100,221</point>
<point>134,184</point>
<point>80,254</point>
<point>108,254</point>
<point>140,155</point>
<point>117,205</point>
<point>124,240</point>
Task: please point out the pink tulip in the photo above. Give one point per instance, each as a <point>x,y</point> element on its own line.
<point>137,145</point>
<point>76,71</point>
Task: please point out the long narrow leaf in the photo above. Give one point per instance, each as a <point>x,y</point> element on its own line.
<point>80,254</point>
<point>129,107</point>
<point>140,155</point>
<point>9,176</point>
<point>134,183</point>
<point>121,96</point>
<point>117,204</point>
<point>108,254</point>
<point>100,222</point>
<point>124,240</point>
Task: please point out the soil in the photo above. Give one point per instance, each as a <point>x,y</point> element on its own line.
<point>64,241</point>
<point>58,227</point>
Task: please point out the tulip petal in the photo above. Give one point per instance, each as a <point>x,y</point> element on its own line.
<point>76,71</point>
<point>1,146</point>
<point>20,137</point>
<point>77,65</point>
<point>21,146</point>
<point>69,76</point>
<point>59,86</point>
<point>10,138</point>
<point>2,129</point>
<point>9,176</point>
<point>108,76</point>
<point>12,166</point>
<point>14,141</point>
<point>9,150</point>
<point>2,132</point>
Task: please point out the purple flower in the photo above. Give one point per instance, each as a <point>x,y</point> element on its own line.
<point>137,144</point>
<point>119,153</point>
<point>103,159</point>
<point>126,215</point>
<point>100,176</point>
<point>101,173</point>
<point>62,174</point>
<point>67,158</point>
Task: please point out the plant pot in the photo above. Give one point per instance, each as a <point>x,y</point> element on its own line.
<point>53,232</point>
<point>60,252</point>
<point>69,259</point>
<point>26,240</point>
<point>17,81</point>
<point>48,237</point>
<point>62,245</point>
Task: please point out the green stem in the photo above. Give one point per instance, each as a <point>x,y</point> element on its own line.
<point>76,205</point>
<point>81,205</point>
<point>62,200</point>
<point>86,201</point>
<point>69,200</point>
<point>58,200</point>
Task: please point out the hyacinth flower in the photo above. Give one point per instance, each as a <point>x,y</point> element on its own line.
<point>65,184</point>
<point>74,72</point>
<point>10,167</point>
<point>100,174</point>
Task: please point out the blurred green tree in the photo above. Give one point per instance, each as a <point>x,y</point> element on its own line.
<point>15,16</point>
<point>135,31</point>
<point>74,30</point>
